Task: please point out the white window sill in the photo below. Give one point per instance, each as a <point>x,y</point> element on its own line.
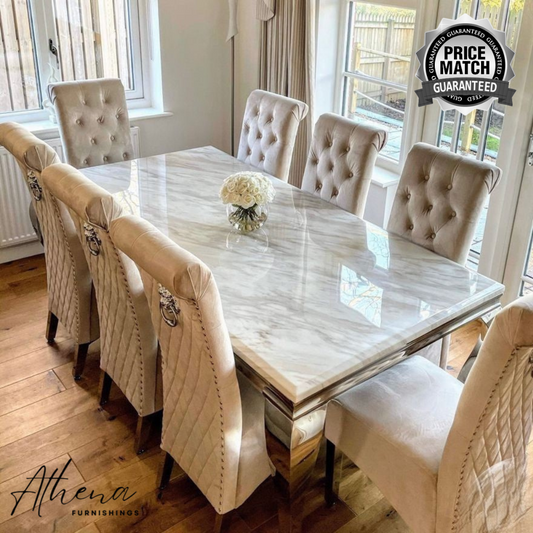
<point>47,128</point>
<point>381,177</point>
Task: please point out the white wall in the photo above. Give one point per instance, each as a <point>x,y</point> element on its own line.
<point>247,45</point>
<point>195,71</point>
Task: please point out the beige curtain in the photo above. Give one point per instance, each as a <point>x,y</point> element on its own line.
<point>287,63</point>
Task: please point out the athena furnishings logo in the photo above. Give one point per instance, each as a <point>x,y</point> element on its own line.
<point>465,65</point>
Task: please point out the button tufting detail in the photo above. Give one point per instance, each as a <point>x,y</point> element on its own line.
<point>106,158</point>
<point>432,236</point>
<point>318,186</point>
<point>350,175</point>
<point>408,195</point>
<point>426,178</point>
<point>93,141</point>
<point>112,137</point>
<point>411,227</point>
<point>430,207</point>
<point>347,149</point>
<point>449,187</point>
<point>78,122</point>
<point>454,214</point>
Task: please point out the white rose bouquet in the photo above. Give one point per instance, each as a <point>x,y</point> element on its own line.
<point>247,194</point>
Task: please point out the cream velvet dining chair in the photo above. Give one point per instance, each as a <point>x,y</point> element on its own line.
<point>69,285</point>
<point>438,204</point>
<point>93,121</point>
<point>269,130</point>
<point>341,161</point>
<point>213,419</point>
<point>449,458</point>
<point>129,350</point>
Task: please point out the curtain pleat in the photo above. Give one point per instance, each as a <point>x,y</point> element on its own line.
<point>265,9</point>
<point>287,66</point>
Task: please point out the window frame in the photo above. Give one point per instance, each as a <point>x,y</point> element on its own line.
<point>44,28</point>
<point>413,115</point>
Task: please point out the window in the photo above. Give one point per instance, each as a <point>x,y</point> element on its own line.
<point>477,134</point>
<point>47,40</point>
<point>377,68</point>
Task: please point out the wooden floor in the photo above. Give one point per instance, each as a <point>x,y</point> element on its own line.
<point>46,419</point>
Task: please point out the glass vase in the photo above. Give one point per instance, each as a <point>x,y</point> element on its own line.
<point>247,220</point>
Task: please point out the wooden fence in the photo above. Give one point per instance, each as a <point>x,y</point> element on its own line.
<point>93,37</point>
<point>381,48</point>
<point>18,78</point>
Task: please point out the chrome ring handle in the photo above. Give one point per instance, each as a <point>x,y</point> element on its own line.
<point>92,239</point>
<point>35,188</point>
<point>168,306</point>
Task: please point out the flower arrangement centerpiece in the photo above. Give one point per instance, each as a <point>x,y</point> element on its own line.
<point>247,195</point>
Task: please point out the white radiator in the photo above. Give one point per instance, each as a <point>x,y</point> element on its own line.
<point>15,225</point>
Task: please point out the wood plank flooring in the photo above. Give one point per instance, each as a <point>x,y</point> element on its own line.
<point>48,419</point>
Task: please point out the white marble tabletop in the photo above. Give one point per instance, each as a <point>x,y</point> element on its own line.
<point>315,295</point>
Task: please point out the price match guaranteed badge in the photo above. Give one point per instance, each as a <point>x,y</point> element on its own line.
<point>465,65</point>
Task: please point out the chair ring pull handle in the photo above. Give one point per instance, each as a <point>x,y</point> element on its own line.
<point>93,241</point>
<point>35,188</point>
<point>168,305</point>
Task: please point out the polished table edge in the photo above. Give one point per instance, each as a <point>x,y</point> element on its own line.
<point>294,411</point>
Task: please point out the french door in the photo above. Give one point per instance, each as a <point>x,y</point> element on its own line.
<point>502,245</point>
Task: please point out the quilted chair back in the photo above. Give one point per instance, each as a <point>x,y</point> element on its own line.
<point>440,199</point>
<point>70,293</point>
<point>341,160</point>
<point>202,415</point>
<point>269,131</point>
<point>128,349</point>
<point>483,470</point>
<point>93,121</point>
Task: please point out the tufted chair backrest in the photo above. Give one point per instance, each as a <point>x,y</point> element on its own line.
<point>483,470</point>
<point>269,131</point>
<point>70,295</point>
<point>439,200</point>
<point>202,414</point>
<point>128,350</point>
<point>341,160</point>
<point>93,121</point>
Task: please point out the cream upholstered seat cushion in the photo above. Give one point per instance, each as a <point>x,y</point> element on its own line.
<point>394,427</point>
<point>212,422</point>
<point>449,458</point>
<point>341,160</point>
<point>129,349</point>
<point>70,291</point>
<point>269,131</point>
<point>93,121</point>
<point>440,198</point>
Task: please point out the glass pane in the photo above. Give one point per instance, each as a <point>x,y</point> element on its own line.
<point>527,288</point>
<point>469,134</point>
<point>382,42</point>
<point>376,104</point>
<point>94,38</point>
<point>19,86</point>
<point>494,133</point>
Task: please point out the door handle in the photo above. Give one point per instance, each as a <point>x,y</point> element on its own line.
<point>530,151</point>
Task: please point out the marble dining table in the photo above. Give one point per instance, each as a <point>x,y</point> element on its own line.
<point>315,302</point>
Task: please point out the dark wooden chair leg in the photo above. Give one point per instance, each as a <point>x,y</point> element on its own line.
<point>165,471</point>
<point>105,387</point>
<point>222,523</point>
<point>142,434</point>
<point>331,493</point>
<point>79,360</point>
<point>51,327</point>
